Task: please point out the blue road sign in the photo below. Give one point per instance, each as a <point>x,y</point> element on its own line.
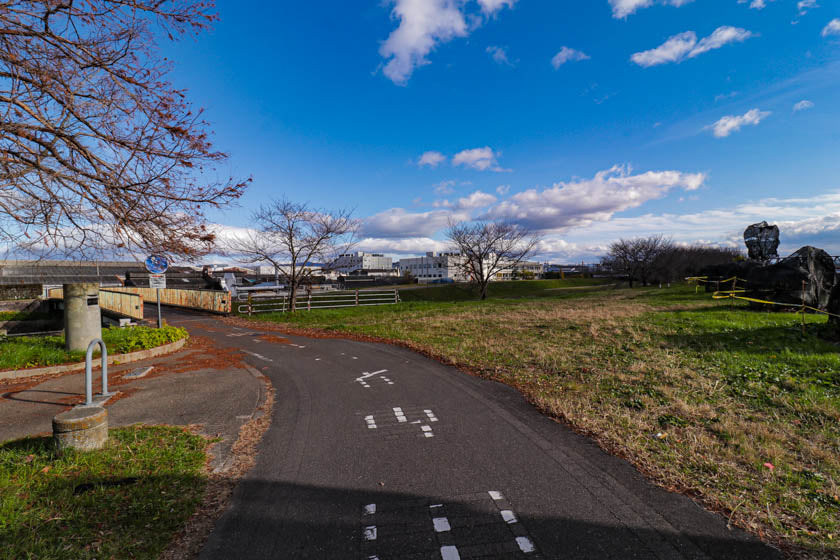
<point>156,264</point>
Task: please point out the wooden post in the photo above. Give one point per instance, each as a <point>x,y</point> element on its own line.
<point>396,296</point>
<point>249,304</point>
<point>309,302</point>
<point>357,298</point>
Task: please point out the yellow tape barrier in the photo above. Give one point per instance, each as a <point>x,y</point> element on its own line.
<point>730,294</point>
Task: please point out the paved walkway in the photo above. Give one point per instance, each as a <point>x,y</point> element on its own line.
<point>197,385</point>
<point>376,452</point>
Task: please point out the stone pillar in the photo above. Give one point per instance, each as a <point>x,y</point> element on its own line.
<point>84,428</point>
<point>82,318</point>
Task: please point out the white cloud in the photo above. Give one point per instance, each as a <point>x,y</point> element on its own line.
<point>490,7</point>
<point>502,190</point>
<point>445,187</point>
<point>733,123</point>
<point>674,49</point>
<point>423,25</point>
<point>397,222</point>
<point>756,4</point>
<point>431,158</point>
<point>804,5</point>
<point>833,28</point>
<point>624,8</point>
<point>567,55</point>
<point>721,36</point>
<point>477,199</point>
<point>802,105</point>
<point>578,203</point>
<point>499,55</point>
<point>685,45</point>
<point>481,159</point>
<point>404,246</point>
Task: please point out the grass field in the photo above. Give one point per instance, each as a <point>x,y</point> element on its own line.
<point>23,316</point>
<point>31,351</point>
<point>126,501</point>
<point>733,406</point>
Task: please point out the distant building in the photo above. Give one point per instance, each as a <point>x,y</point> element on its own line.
<point>352,262</point>
<point>440,267</point>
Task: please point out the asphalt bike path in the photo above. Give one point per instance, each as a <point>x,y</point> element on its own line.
<point>376,452</point>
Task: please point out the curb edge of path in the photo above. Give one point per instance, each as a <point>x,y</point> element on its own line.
<point>223,480</point>
<point>79,366</point>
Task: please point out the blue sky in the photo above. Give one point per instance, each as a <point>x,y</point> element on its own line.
<point>586,120</point>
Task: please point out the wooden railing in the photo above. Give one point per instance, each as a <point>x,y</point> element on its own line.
<point>205,300</point>
<point>122,303</point>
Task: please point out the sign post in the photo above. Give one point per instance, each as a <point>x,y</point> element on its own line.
<point>157,265</point>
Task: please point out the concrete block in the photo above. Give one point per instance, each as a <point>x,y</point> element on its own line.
<point>84,428</point>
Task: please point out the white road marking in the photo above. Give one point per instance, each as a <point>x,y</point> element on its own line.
<point>435,506</point>
<point>361,379</point>
<point>370,533</point>
<point>431,415</point>
<point>297,346</point>
<point>525,544</point>
<point>370,509</point>
<point>354,357</point>
<point>247,333</point>
<point>509,516</point>
<point>260,356</point>
<point>317,359</point>
<point>449,553</point>
<point>496,495</point>
<point>441,524</point>
<point>399,414</point>
<point>426,428</point>
<point>371,423</point>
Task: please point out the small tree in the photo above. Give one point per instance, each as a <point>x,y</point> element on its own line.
<point>487,248</point>
<point>291,236</point>
<point>636,257</point>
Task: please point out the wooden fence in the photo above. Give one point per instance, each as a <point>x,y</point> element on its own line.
<point>255,303</point>
<point>205,300</point>
<point>122,303</point>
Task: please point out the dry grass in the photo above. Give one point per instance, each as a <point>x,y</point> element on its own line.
<point>733,407</point>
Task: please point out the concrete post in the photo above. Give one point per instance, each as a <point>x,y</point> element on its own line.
<point>82,317</point>
<point>84,428</point>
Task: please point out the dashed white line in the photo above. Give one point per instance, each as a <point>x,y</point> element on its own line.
<point>441,524</point>
<point>496,495</point>
<point>370,509</point>
<point>509,516</point>
<point>259,356</point>
<point>449,553</point>
<point>370,533</point>
<point>431,415</point>
<point>525,544</point>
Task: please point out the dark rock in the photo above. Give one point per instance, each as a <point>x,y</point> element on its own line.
<point>783,282</point>
<point>762,241</point>
<point>717,273</point>
<point>834,306</point>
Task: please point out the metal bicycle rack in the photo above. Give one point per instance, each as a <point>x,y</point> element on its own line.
<point>89,371</point>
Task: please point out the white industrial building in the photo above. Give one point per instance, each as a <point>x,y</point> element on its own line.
<point>440,267</point>
<point>351,262</point>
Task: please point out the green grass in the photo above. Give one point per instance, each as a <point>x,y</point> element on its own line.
<point>23,316</point>
<point>731,389</point>
<point>30,351</point>
<point>124,501</point>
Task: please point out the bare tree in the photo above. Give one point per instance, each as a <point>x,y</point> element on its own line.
<point>487,248</point>
<point>291,236</point>
<point>636,257</point>
<point>98,151</point>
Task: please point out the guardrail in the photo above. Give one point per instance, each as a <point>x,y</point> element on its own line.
<point>309,302</point>
<point>122,303</point>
